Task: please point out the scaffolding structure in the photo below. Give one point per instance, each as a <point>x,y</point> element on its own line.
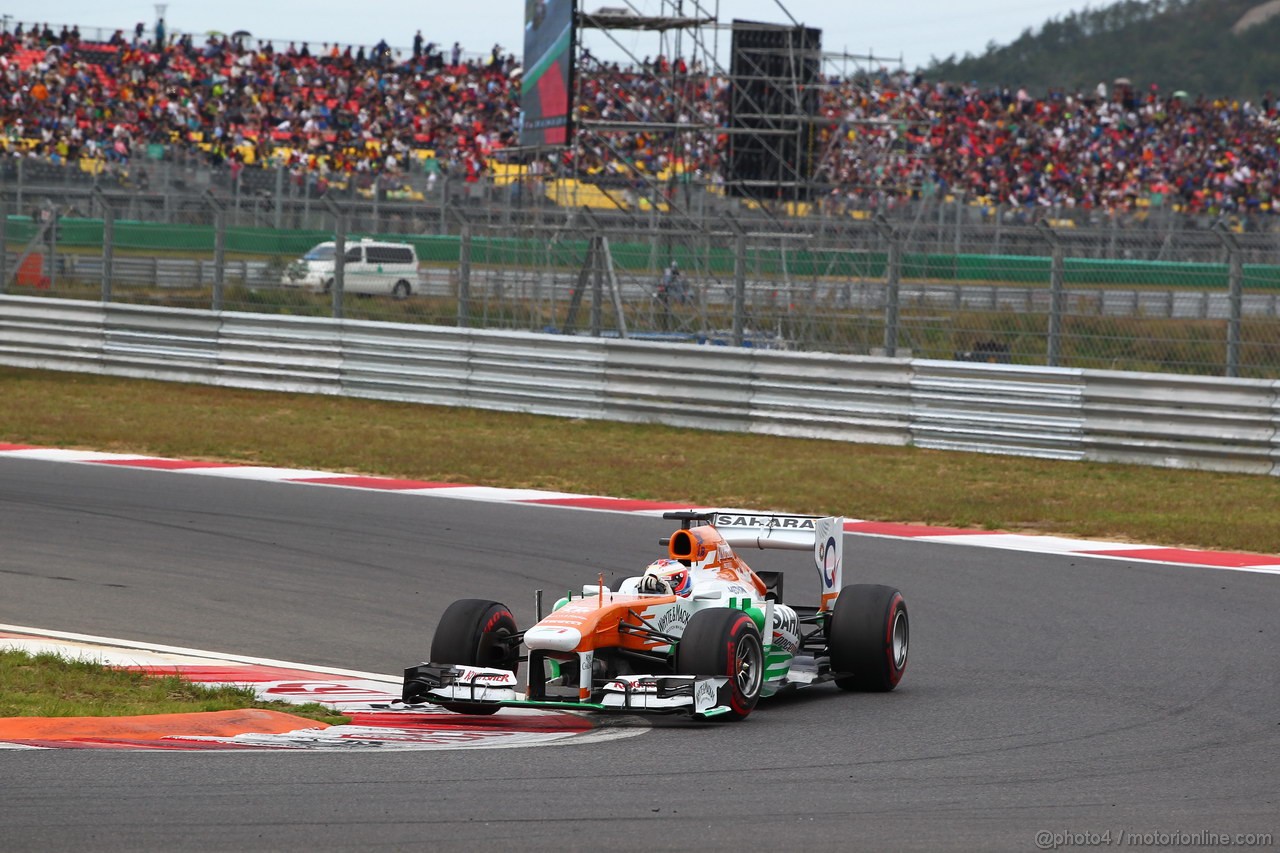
<point>775,81</point>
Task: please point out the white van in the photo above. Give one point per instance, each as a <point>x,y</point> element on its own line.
<point>371,267</point>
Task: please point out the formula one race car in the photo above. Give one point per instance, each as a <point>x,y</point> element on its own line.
<point>698,632</point>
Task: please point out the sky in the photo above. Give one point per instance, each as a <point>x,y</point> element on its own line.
<point>913,30</point>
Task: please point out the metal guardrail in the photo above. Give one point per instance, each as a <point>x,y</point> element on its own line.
<point>1142,418</point>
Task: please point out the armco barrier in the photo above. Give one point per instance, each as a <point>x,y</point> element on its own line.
<point>66,336</point>
<point>1150,419</point>
<point>1012,409</point>
<point>166,343</point>
<point>813,395</point>
<point>279,353</point>
<point>1182,421</point>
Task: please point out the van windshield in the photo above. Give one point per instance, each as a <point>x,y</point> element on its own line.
<point>319,253</point>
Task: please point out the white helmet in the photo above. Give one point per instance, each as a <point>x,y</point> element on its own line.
<point>667,577</point>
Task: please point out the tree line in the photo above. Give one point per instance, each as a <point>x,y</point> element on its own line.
<point>1186,45</point>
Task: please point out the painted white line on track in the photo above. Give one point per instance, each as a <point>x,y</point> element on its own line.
<point>379,721</point>
<point>1083,548</point>
<point>197,654</point>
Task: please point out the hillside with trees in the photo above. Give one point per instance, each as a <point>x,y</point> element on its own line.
<point>1201,46</point>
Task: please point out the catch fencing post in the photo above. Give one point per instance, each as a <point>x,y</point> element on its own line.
<point>596,254</point>
<point>959,223</point>
<point>108,242</point>
<point>443,186</point>
<point>21,173</point>
<point>52,211</point>
<point>1057,293</point>
<point>739,280</point>
<point>464,271</point>
<point>893,281</point>
<point>4,241</point>
<point>339,255</point>
<point>1235,295</point>
<point>278,221</point>
<point>219,246</point>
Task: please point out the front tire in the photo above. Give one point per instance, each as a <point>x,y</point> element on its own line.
<point>725,642</point>
<point>472,633</point>
<point>868,638</point>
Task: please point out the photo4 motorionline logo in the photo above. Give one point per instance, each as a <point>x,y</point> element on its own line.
<point>1047,840</point>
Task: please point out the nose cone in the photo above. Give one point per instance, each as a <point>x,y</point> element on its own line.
<point>552,638</point>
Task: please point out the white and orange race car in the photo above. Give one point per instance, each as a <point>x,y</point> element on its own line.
<point>698,632</point>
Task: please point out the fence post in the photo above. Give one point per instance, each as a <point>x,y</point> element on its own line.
<point>443,185</point>
<point>278,220</point>
<point>893,281</point>
<point>597,284</point>
<point>1057,293</point>
<point>108,242</point>
<point>219,247</point>
<point>4,241</point>
<point>1235,296</point>
<point>53,247</point>
<point>339,255</point>
<point>958,243</point>
<point>739,280</point>
<point>464,273</point>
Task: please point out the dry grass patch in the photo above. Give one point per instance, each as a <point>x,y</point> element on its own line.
<point>48,685</point>
<point>1121,502</point>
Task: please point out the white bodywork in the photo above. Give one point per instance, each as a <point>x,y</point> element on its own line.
<point>648,615</point>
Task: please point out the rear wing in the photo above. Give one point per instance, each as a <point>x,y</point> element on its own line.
<point>823,536</point>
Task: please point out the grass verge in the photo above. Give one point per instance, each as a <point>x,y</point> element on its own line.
<point>971,490</point>
<point>48,685</point>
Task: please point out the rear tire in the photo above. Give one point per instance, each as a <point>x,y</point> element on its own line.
<point>401,290</point>
<point>725,642</point>
<point>470,634</point>
<point>868,638</point>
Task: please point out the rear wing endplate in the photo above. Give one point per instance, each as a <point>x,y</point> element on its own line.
<point>823,536</point>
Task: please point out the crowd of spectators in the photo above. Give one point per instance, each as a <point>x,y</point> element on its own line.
<point>332,110</point>
<point>1106,148</point>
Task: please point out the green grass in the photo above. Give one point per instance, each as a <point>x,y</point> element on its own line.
<point>1120,502</point>
<point>48,685</point>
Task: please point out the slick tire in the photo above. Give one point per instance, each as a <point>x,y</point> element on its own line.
<point>725,642</point>
<point>470,633</point>
<point>868,638</point>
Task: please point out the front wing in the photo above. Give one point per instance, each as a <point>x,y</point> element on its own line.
<point>661,694</point>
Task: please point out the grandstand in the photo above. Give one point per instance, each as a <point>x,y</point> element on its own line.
<point>75,110</point>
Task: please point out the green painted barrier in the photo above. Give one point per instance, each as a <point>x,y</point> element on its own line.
<point>636,257</point>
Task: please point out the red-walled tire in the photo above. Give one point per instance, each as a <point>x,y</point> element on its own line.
<point>724,642</point>
<point>467,635</point>
<point>868,638</point>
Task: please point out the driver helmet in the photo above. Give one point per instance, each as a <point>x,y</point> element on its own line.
<point>669,577</point>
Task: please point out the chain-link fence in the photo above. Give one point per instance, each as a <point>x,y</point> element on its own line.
<point>933,281</point>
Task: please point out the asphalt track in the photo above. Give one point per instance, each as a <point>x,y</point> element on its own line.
<point>1044,693</point>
